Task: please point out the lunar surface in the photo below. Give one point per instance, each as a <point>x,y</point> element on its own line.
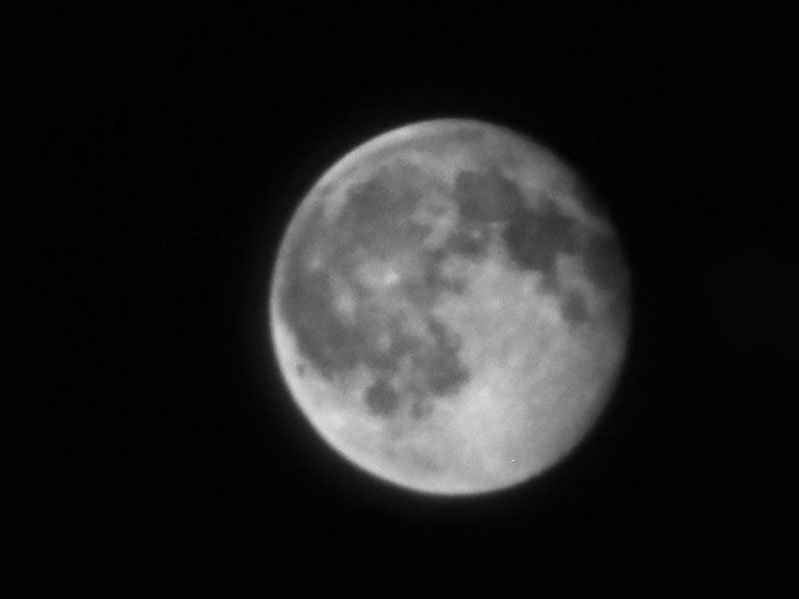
<point>449,310</point>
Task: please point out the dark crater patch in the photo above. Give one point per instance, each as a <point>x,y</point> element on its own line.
<point>428,288</point>
<point>374,203</point>
<point>574,308</point>
<point>437,368</point>
<point>470,240</point>
<point>487,196</point>
<point>606,267</point>
<point>603,259</point>
<point>307,306</point>
<point>376,213</point>
<point>332,345</point>
<point>374,220</point>
<point>535,237</point>
<point>381,398</point>
<point>337,348</point>
<point>421,408</point>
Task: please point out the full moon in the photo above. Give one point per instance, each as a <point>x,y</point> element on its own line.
<point>450,307</point>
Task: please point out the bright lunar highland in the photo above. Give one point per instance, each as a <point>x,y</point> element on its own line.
<point>450,311</point>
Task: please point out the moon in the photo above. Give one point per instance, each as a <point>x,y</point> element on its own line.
<point>450,307</point>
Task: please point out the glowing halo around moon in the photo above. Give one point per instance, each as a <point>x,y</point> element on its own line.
<point>448,311</point>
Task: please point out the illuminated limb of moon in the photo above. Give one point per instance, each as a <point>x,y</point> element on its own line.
<point>448,313</point>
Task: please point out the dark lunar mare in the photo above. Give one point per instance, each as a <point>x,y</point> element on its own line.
<point>573,307</point>
<point>604,261</point>
<point>374,220</point>
<point>381,398</point>
<point>534,235</point>
<point>487,196</point>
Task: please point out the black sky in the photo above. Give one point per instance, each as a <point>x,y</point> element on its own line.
<point>174,159</point>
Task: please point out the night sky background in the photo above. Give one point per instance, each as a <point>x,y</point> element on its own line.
<point>174,158</point>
